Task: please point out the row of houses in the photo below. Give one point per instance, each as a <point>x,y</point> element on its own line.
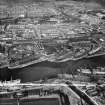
<point>22,10</point>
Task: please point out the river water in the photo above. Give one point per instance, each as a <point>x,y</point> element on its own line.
<point>49,70</point>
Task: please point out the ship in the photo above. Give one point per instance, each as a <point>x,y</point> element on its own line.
<point>94,71</point>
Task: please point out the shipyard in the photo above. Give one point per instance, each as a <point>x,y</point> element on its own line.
<point>52,52</point>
